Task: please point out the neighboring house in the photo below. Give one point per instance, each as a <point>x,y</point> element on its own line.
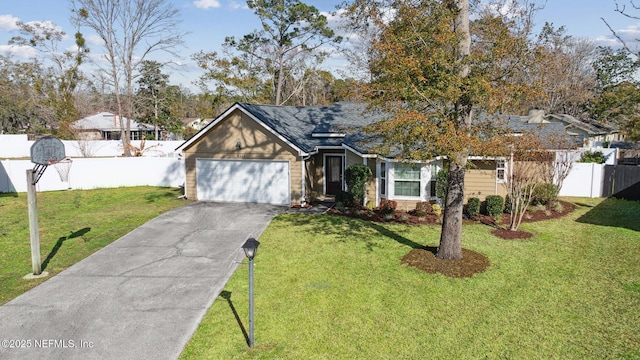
<point>283,155</point>
<point>106,126</point>
<point>583,133</point>
<point>195,123</point>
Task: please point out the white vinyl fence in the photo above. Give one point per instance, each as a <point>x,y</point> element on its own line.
<point>92,173</point>
<point>585,180</point>
<point>18,146</point>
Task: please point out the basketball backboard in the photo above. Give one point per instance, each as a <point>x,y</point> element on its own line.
<point>47,150</point>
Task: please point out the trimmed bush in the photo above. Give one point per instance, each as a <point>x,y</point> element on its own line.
<point>473,206</point>
<point>437,209</point>
<point>388,206</point>
<point>544,193</point>
<point>356,177</point>
<point>495,205</point>
<point>345,198</point>
<point>424,206</point>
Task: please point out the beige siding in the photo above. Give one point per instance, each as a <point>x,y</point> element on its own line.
<point>220,142</point>
<point>406,205</point>
<point>352,158</point>
<point>480,181</point>
<point>372,187</point>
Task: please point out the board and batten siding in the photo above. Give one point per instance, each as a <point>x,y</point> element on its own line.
<point>256,143</point>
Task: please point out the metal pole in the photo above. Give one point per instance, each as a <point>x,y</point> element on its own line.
<point>251,338</point>
<point>33,224</point>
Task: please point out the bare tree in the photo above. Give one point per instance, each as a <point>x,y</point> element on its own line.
<point>130,31</point>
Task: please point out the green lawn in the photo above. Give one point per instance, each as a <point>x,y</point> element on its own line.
<point>73,225</point>
<point>333,288</point>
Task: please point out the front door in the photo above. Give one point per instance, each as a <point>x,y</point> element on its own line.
<point>333,174</point>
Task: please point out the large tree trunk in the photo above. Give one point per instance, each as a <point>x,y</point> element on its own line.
<point>451,235</point>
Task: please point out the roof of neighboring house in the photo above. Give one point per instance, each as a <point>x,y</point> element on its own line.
<point>106,121</point>
<point>187,121</point>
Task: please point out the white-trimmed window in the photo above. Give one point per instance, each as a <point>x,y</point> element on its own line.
<point>501,170</point>
<point>434,177</point>
<point>383,179</point>
<point>406,180</point>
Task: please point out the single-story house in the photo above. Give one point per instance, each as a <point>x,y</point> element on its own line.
<point>106,126</point>
<point>195,123</point>
<point>582,132</point>
<point>286,154</point>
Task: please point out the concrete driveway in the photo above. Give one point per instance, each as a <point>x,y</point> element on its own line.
<point>141,297</point>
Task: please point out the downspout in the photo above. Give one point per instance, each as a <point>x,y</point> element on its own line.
<point>364,198</point>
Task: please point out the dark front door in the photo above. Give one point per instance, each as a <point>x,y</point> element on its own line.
<point>333,174</point>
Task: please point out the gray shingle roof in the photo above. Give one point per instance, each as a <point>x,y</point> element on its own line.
<point>297,124</point>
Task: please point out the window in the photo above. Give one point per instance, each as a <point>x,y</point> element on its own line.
<point>383,179</point>
<point>501,170</point>
<point>406,180</point>
<point>434,178</point>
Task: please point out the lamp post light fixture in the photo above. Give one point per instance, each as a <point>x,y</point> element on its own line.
<point>250,248</point>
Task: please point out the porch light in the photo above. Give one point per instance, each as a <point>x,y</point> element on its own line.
<point>238,145</point>
<point>250,248</point>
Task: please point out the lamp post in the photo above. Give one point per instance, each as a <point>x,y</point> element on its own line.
<point>250,248</point>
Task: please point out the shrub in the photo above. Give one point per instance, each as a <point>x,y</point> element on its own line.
<point>370,205</point>
<point>388,206</point>
<point>592,157</point>
<point>557,207</point>
<point>356,177</point>
<point>419,213</point>
<point>473,206</point>
<point>441,183</point>
<point>495,205</point>
<point>424,206</point>
<point>544,193</point>
<point>437,209</point>
<point>345,198</point>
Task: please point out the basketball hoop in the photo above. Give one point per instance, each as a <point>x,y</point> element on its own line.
<point>63,166</point>
<point>47,151</point>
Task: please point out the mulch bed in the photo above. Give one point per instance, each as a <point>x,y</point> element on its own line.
<point>471,263</point>
<point>425,259</point>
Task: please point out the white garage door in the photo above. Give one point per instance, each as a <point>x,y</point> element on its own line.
<point>265,182</point>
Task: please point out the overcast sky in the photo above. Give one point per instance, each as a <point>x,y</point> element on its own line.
<point>210,21</point>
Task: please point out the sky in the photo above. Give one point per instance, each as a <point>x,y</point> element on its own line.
<point>208,22</point>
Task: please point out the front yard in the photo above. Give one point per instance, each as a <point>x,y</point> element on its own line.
<point>73,225</point>
<point>334,287</point>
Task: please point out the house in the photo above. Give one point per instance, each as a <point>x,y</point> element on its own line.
<point>284,154</point>
<point>195,123</point>
<point>583,133</point>
<point>106,126</point>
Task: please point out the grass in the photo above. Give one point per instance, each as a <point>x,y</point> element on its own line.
<point>73,225</point>
<point>333,288</point>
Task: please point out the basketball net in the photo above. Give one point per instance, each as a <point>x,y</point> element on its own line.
<point>63,166</point>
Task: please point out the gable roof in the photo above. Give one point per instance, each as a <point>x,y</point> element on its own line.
<point>305,128</point>
<point>309,128</point>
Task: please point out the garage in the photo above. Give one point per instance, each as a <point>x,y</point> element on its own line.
<point>252,181</point>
